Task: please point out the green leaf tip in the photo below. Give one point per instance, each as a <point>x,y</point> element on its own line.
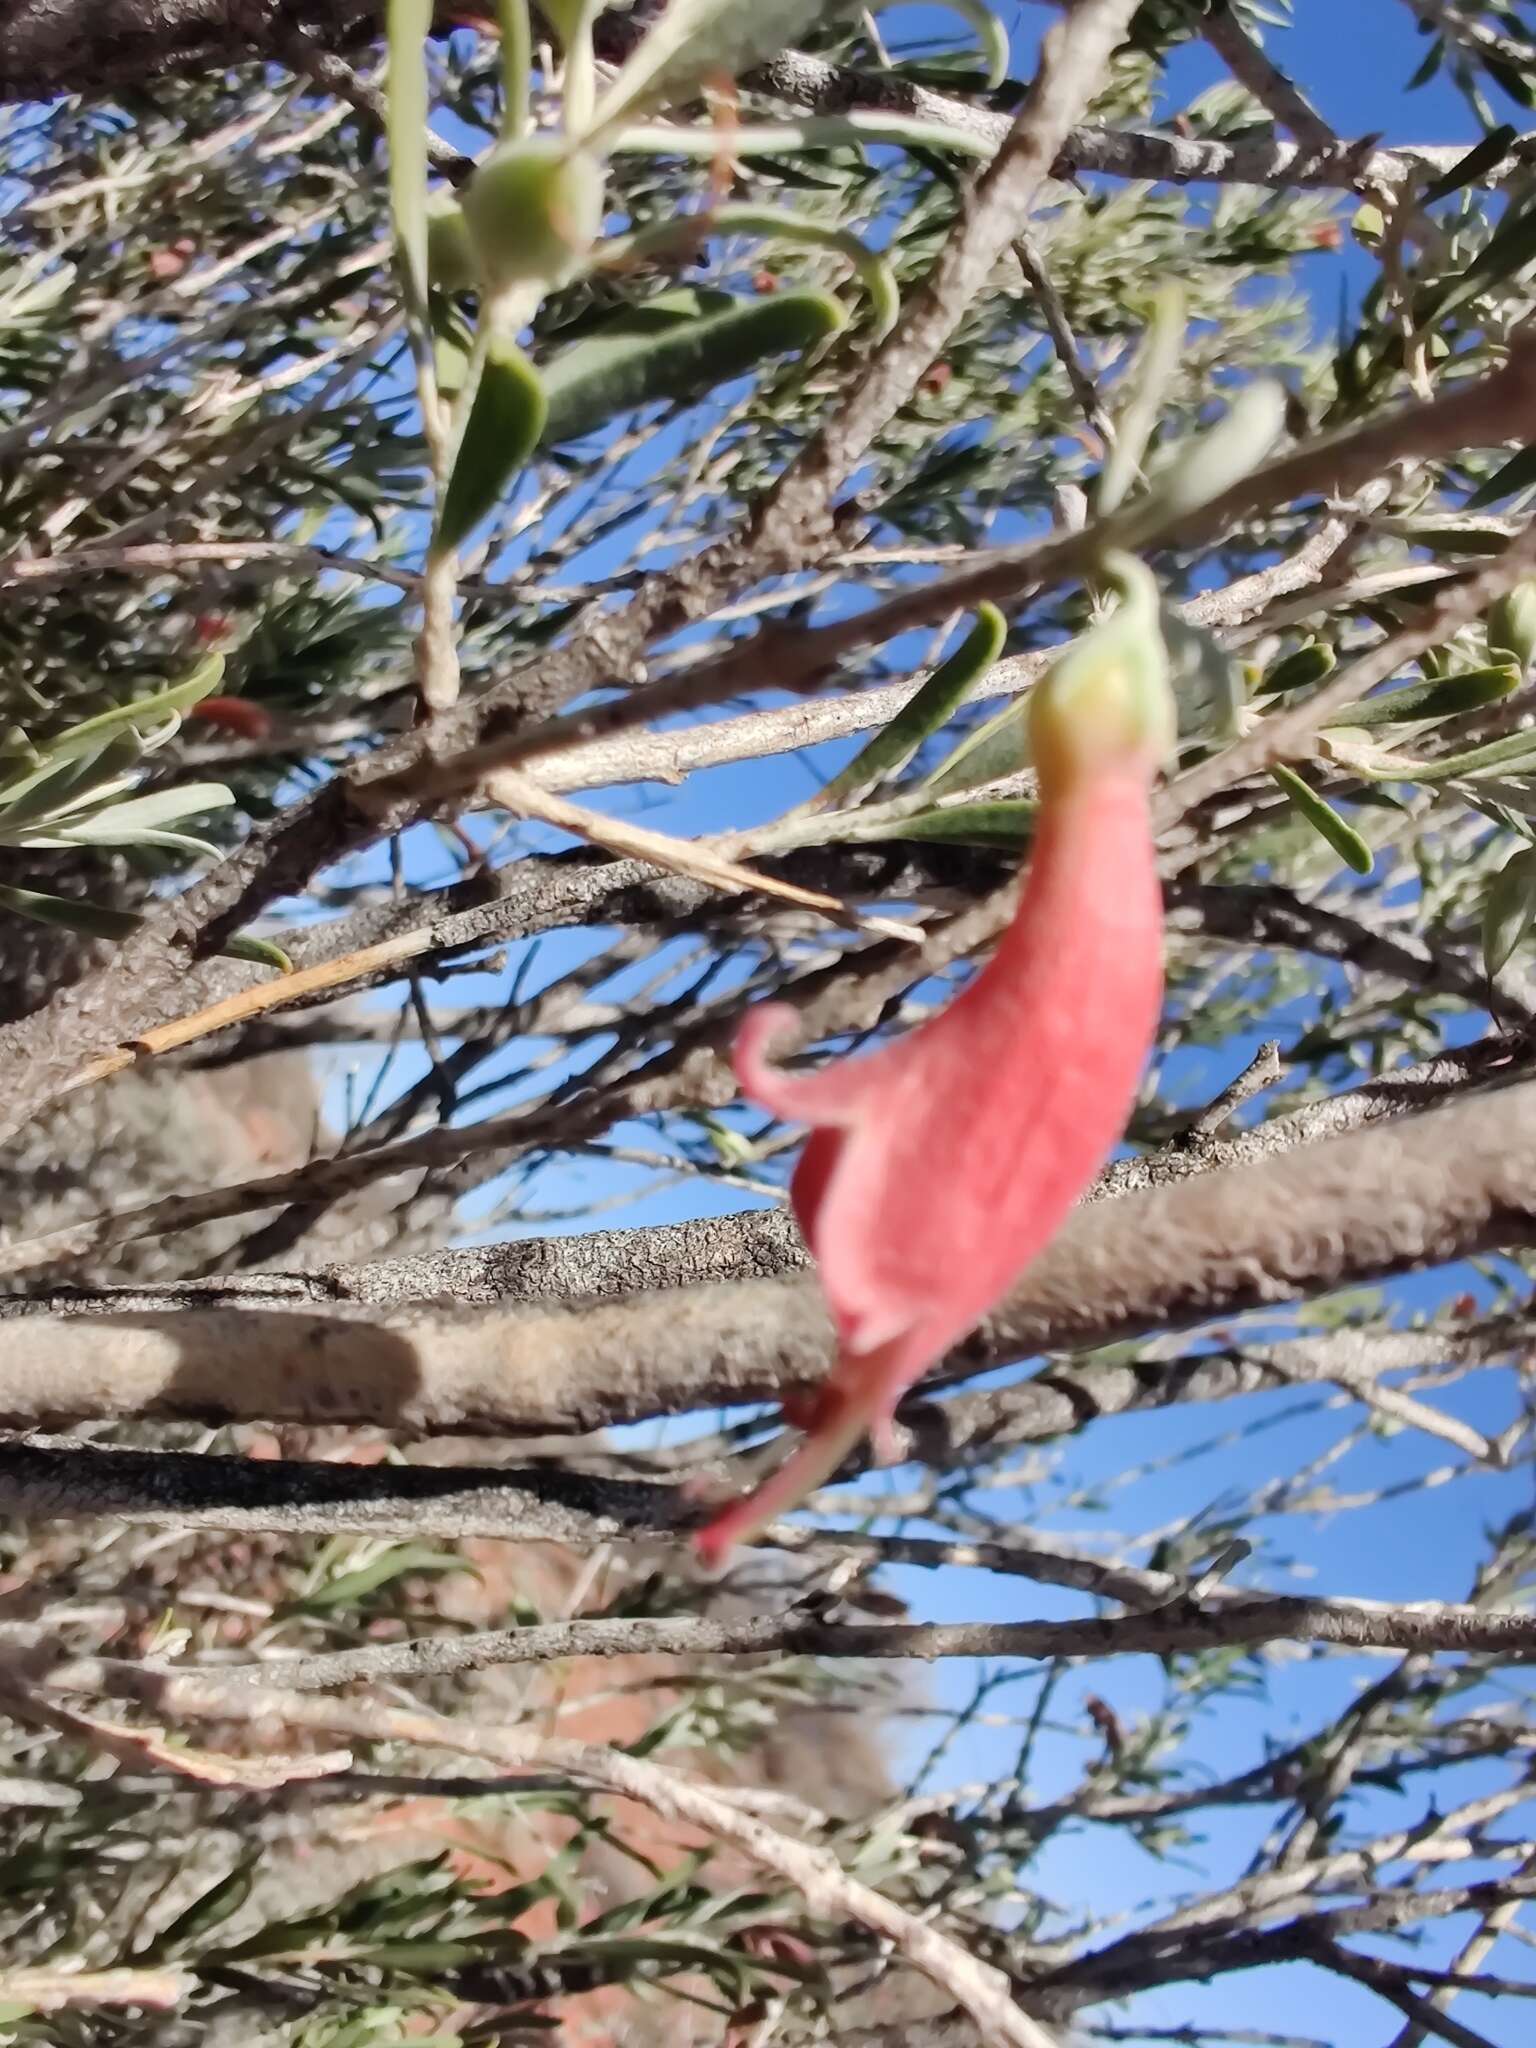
<point>1346,842</point>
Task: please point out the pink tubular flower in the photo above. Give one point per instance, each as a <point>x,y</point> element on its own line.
<point>937,1168</point>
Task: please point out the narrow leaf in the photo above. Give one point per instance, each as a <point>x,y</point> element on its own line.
<point>119,824</point>
<point>100,921</point>
<point>1446,697</point>
<point>209,1910</point>
<point>1483,157</point>
<point>93,920</point>
<point>991,34</point>
<point>1215,460</point>
<point>607,375</point>
<point>1207,682</point>
<point>695,40</point>
<point>874,273</point>
<point>505,422</point>
<point>61,787</point>
<point>261,951</point>
<point>1325,820</point>
<point>1151,375</point>
<point>1299,669</point>
<point>141,712</point>
<point>997,748</point>
<point>1005,822</point>
<point>1515,475</point>
<point>1509,909</point>
<point>1515,750</point>
<point>924,713</point>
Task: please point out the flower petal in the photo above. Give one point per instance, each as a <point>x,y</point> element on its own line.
<point>938,1168</point>
<point>828,1095</point>
<point>811,1179</point>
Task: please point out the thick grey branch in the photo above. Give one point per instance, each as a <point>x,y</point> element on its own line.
<point>1409,1193</point>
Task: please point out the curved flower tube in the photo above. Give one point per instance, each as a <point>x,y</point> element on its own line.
<point>937,1168</point>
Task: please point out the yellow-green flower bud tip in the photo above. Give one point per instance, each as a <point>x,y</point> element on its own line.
<point>533,211</point>
<point>451,265</point>
<point>1107,704</point>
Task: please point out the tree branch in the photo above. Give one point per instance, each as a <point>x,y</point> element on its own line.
<point>1184,1626</point>
<point>1409,1193</point>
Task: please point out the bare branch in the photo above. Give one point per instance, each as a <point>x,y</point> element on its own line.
<point>59,1990</point>
<point>1408,1193</point>
<point>1182,1627</point>
<point>820,87</point>
<point>1252,66</point>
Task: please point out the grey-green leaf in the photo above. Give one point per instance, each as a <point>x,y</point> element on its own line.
<point>506,420</point>
<point>695,39</point>
<point>1509,909</point>
<point>1325,820</point>
<point>996,749</point>
<point>925,712</point>
<point>128,823</point>
<point>1207,683</point>
<point>1005,822</point>
<point>101,921</point>
<point>1298,669</point>
<point>1443,697</point>
<point>615,372</point>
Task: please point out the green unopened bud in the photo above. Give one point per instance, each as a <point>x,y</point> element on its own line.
<point>533,211</point>
<point>451,263</point>
<point>1512,625</point>
<point>1108,701</point>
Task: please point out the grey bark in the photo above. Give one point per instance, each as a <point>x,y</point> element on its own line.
<point>1416,1192</point>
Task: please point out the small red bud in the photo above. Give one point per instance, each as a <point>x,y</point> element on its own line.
<point>236,715</point>
<point>164,264</point>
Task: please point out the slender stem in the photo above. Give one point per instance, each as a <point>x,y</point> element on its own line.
<point>580,81</point>
<point>516,68</point>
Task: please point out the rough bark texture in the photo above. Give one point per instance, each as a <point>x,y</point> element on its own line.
<point>52,46</point>
<point>1414,1193</point>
